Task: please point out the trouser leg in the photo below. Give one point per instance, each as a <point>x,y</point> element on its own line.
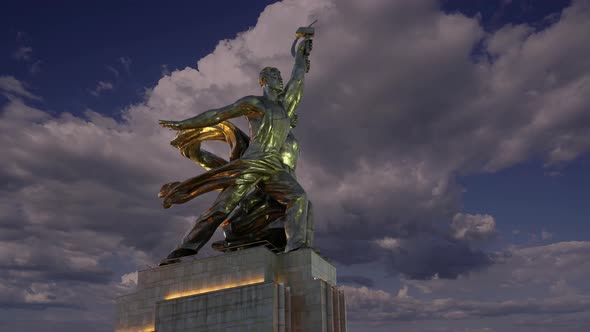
<point>207,223</point>
<point>285,189</point>
<point>309,225</point>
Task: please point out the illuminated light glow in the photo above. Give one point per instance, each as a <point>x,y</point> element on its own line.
<point>215,288</point>
<point>149,328</point>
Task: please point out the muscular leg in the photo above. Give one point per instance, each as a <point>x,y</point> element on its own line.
<point>207,223</point>
<point>285,189</point>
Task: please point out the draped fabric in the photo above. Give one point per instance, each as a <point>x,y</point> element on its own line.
<point>216,178</point>
<point>258,216</point>
<point>220,172</point>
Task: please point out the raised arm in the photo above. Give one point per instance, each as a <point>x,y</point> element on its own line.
<point>244,106</point>
<point>294,89</point>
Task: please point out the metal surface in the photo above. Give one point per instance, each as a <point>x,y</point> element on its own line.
<point>258,184</point>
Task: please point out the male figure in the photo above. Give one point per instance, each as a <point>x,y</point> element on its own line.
<point>258,217</point>
<point>261,164</point>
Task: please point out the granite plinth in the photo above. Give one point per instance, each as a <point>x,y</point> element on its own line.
<point>246,290</point>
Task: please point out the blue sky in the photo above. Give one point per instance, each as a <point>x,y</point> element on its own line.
<point>528,199</point>
<point>444,144</point>
<point>77,42</point>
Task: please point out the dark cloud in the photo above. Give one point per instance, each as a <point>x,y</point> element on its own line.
<point>508,289</point>
<point>36,306</point>
<point>356,280</point>
<point>426,256</point>
<point>70,324</point>
<point>346,251</point>
<point>368,304</point>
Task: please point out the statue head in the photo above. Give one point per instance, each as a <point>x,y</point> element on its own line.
<point>271,78</point>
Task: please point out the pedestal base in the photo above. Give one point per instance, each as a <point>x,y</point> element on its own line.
<point>246,290</point>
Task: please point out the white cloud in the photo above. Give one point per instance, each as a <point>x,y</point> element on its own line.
<point>129,279</point>
<point>388,243</point>
<point>10,86</point>
<point>471,227</point>
<point>100,87</point>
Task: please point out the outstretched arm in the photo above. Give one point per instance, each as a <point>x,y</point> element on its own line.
<point>243,106</point>
<point>294,88</point>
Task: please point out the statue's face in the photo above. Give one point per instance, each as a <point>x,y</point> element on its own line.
<point>271,77</point>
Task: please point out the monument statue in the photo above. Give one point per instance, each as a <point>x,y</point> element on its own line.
<point>260,197</point>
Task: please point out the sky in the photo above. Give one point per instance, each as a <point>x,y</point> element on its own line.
<point>445,146</point>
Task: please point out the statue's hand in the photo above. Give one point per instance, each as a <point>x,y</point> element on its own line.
<point>171,124</point>
<point>306,46</point>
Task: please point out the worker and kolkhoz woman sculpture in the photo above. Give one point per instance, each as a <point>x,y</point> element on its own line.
<point>260,200</point>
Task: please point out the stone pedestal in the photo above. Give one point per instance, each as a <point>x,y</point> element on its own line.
<point>246,290</point>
